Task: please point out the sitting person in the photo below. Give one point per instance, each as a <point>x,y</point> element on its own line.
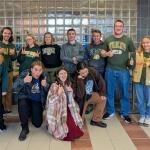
<point>31,87</point>
<point>62,113</point>
<point>3,89</point>
<point>90,89</point>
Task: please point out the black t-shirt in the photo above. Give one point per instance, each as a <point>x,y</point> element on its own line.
<point>89,86</point>
<point>50,55</point>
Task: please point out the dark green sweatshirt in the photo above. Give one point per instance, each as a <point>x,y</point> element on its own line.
<point>8,58</point>
<point>25,60</point>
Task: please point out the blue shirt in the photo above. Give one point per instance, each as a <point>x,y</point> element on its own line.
<point>35,90</point>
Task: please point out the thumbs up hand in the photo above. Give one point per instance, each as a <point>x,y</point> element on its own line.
<point>11,52</point>
<point>44,82</point>
<point>28,78</point>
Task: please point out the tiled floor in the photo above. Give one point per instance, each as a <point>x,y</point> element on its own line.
<point>117,136</point>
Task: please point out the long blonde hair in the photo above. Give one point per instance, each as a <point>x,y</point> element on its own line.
<point>34,40</point>
<point>140,48</point>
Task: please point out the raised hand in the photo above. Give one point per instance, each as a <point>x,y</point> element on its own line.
<point>110,53</point>
<point>11,51</point>
<point>74,59</point>
<point>131,61</point>
<point>44,82</point>
<point>23,51</point>
<point>38,54</point>
<point>28,78</point>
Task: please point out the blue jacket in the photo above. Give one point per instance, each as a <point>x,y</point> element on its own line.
<point>23,90</point>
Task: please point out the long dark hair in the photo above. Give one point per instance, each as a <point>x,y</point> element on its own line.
<point>67,82</point>
<point>11,39</point>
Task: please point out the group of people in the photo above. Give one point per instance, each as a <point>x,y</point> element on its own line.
<point>65,80</point>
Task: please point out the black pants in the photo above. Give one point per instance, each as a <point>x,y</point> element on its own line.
<point>1,107</point>
<point>27,108</point>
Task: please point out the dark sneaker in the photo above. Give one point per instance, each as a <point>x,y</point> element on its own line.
<point>2,127</point>
<point>99,124</point>
<point>108,116</point>
<point>23,134</point>
<point>127,119</point>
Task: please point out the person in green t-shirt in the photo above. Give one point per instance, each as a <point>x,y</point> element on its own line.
<point>117,49</point>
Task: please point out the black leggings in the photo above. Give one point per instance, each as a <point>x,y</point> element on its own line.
<point>27,108</point>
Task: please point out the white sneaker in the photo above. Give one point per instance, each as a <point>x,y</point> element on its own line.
<point>141,121</point>
<point>108,116</point>
<point>147,122</point>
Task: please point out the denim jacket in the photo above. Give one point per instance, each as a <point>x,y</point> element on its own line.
<point>23,90</point>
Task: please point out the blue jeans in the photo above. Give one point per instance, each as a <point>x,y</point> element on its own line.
<point>122,77</point>
<point>143,96</point>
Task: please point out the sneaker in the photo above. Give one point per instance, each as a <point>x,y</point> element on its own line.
<point>108,116</point>
<point>127,119</point>
<point>141,121</point>
<point>2,127</point>
<point>23,134</point>
<point>146,122</point>
<point>98,124</point>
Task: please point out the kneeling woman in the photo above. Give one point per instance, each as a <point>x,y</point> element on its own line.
<point>31,87</point>
<point>62,115</point>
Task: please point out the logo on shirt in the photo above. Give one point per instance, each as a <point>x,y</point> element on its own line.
<point>35,88</point>
<point>49,50</point>
<point>89,87</point>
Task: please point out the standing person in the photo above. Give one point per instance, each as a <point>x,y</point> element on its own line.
<point>62,113</point>
<point>3,89</point>
<point>141,79</point>
<point>28,54</point>
<point>8,49</point>
<point>72,52</point>
<point>90,89</point>
<point>31,87</point>
<point>50,55</point>
<point>118,46</point>
<point>93,50</point>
